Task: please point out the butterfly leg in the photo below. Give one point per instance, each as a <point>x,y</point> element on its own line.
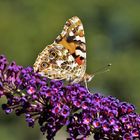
<point>86,85</point>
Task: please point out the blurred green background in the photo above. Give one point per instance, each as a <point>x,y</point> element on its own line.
<point>112,31</point>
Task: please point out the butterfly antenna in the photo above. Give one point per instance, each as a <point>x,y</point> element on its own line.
<point>102,69</point>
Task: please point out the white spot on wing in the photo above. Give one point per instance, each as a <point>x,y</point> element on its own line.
<point>75,19</point>
<point>70,58</point>
<point>71,33</point>
<point>80,27</point>
<point>59,62</point>
<point>73,65</point>
<point>82,39</point>
<point>79,52</point>
<point>63,32</point>
<point>59,46</point>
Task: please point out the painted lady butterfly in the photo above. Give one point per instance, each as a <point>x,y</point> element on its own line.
<point>65,58</point>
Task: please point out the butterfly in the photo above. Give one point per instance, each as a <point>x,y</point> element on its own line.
<point>65,58</point>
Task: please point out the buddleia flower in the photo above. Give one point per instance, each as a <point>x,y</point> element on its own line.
<point>52,105</point>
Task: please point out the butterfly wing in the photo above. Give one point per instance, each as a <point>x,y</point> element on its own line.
<point>73,39</point>
<point>66,57</point>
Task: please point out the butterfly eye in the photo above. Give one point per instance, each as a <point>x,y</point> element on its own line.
<point>44,65</point>
<point>52,54</point>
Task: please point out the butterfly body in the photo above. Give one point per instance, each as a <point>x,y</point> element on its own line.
<point>65,58</point>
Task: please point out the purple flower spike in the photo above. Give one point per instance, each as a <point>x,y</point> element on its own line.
<point>53,105</point>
